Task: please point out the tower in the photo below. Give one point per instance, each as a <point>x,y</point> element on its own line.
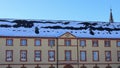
<point>111,17</point>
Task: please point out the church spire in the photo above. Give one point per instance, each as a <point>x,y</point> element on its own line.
<point>111,17</point>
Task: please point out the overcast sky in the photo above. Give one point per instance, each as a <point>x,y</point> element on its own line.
<point>80,10</point>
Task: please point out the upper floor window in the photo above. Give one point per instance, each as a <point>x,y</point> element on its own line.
<point>37,55</point>
<point>67,42</point>
<point>82,43</point>
<point>23,55</point>
<point>68,55</point>
<point>95,43</point>
<point>107,43</point>
<point>9,55</point>
<point>51,42</point>
<point>118,54</point>
<point>118,43</point>
<point>82,55</point>
<point>23,42</point>
<point>37,42</point>
<point>95,56</point>
<point>51,55</point>
<point>9,42</point>
<point>108,55</point>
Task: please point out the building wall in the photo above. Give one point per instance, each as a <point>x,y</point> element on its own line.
<point>75,49</point>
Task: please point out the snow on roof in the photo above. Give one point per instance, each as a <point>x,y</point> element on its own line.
<point>55,28</point>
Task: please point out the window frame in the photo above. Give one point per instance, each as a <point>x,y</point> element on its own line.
<point>80,43</point>
<point>94,56</point>
<point>81,55</point>
<point>66,55</point>
<point>49,55</point>
<point>118,57</point>
<point>35,42</point>
<point>49,40</point>
<point>93,41</point>
<point>106,56</point>
<point>7,42</point>
<point>117,43</point>
<point>21,56</point>
<point>66,41</point>
<point>105,41</point>
<point>21,42</point>
<point>11,57</point>
<point>35,56</point>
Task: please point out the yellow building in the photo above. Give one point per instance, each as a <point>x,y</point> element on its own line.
<point>59,44</point>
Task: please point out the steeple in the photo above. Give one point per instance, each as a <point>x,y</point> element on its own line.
<point>111,17</point>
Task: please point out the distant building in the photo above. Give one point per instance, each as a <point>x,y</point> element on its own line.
<point>59,44</point>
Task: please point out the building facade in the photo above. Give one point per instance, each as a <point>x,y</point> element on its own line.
<point>65,51</point>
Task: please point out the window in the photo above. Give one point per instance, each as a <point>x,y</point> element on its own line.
<point>37,42</point>
<point>95,56</point>
<point>67,42</point>
<point>118,43</point>
<point>67,55</point>
<point>95,43</point>
<point>9,55</point>
<point>118,54</point>
<point>51,55</point>
<point>82,55</point>
<point>108,55</point>
<point>23,55</point>
<point>37,55</point>
<point>23,42</point>
<point>9,42</point>
<point>82,43</point>
<point>107,43</point>
<point>51,42</point>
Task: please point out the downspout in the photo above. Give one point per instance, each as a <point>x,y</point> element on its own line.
<point>57,51</point>
<point>78,53</point>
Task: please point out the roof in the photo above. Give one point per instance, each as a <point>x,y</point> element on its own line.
<point>56,28</point>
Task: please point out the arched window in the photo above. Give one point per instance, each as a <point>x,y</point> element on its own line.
<point>96,67</point>
<point>37,67</point>
<point>51,67</point>
<point>83,66</point>
<point>118,66</point>
<point>68,66</point>
<point>108,66</point>
<point>9,66</point>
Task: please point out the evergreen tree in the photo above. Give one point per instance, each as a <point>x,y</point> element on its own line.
<point>36,30</point>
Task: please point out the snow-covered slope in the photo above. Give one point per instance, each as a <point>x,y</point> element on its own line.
<point>55,28</point>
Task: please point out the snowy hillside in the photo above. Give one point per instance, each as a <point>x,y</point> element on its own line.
<point>55,28</point>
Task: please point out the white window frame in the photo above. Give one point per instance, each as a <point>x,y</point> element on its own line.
<point>95,56</point>
<point>9,55</point>
<point>23,55</point>
<point>108,55</point>
<point>37,55</point>
<point>82,43</point>
<point>9,42</point>
<point>37,42</point>
<point>51,55</point>
<point>83,55</point>
<point>23,42</point>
